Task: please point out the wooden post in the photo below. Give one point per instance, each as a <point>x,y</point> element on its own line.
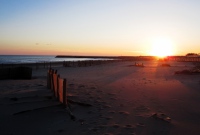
<point>55,84</point>
<point>60,90</point>
<point>51,75</point>
<point>58,86</point>
<point>48,79</point>
<point>36,66</point>
<point>64,92</point>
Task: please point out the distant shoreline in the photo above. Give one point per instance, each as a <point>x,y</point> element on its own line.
<point>70,56</point>
<point>104,57</point>
<point>138,58</point>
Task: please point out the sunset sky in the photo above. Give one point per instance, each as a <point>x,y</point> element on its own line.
<point>99,27</point>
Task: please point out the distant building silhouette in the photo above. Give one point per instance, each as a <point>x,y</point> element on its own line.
<point>192,55</point>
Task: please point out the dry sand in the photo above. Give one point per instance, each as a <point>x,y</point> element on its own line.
<point>124,100</point>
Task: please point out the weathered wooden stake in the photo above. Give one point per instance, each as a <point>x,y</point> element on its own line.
<point>55,78</point>
<point>64,92</point>
<point>48,79</point>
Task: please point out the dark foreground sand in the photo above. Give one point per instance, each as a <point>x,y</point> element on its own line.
<point>124,100</point>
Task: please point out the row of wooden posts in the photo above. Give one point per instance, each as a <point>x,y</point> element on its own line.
<point>57,85</point>
<point>86,63</point>
<point>184,59</point>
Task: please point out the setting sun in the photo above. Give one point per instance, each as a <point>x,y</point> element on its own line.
<point>162,47</point>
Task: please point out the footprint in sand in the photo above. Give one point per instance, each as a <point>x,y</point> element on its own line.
<point>121,105</point>
<point>129,126</point>
<point>100,91</point>
<point>112,112</point>
<point>102,126</point>
<point>111,94</point>
<point>107,118</point>
<point>91,97</point>
<point>140,125</point>
<point>112,98</point>
<point>161,116</point>
<point>14,99</point>
<point>92,87</point>
<point>142,108</point>
<point>106,106</point>
<point>132,133</point>
<point>88,93</point>
<point>60,130</point>
<point>90,112</point>
<point>124,112</point>
<point>116,126</point>
<point>93,129</point>
<point>99,97</point>
<point>81,86</point>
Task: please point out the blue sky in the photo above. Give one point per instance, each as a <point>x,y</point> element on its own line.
<point>97,27</point>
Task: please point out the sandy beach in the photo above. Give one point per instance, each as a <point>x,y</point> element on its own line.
<point>122,99</point>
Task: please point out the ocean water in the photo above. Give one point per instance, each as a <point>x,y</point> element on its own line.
<point>15,59</point>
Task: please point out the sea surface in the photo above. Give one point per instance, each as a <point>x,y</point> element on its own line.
<point>15,59</point>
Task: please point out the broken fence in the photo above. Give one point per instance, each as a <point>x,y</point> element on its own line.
<point>57,85</point>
